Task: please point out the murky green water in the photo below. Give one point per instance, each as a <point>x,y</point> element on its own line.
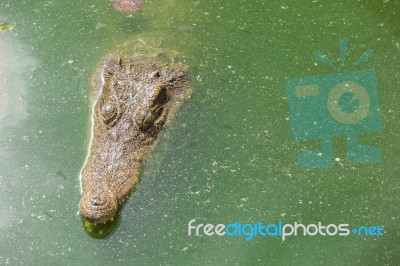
<point>228,156</point>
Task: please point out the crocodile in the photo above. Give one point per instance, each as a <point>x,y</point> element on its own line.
<point>134,98</point>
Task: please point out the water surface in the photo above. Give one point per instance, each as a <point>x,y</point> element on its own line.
<point>228,156</point>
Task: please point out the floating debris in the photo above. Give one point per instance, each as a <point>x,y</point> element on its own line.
<point>127,5</point>
<point>7,27</point>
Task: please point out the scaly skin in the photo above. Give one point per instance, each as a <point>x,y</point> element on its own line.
<point>134,98</point>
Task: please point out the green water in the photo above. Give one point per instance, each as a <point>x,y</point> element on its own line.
<point>228,156</point>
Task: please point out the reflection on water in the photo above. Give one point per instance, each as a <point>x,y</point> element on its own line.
<point>15,68</point>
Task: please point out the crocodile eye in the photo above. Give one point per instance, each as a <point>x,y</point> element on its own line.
<point>160,96</point>
<point>152,116</point>
<point>109,113</point>
<point>155,107</point>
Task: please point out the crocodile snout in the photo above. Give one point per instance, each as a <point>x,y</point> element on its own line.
<point>98,206</point>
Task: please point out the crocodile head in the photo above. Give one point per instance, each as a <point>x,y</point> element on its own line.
<point>134,98</point>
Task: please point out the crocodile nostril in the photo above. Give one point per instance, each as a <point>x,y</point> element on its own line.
<point>98,206</point>
<point>97,200</point>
